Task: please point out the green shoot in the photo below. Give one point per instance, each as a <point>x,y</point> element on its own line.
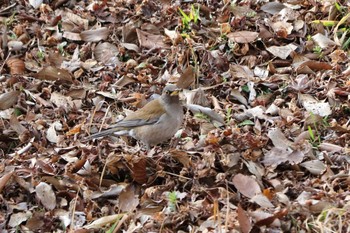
<point>311,133</point>
<point>318,50</point>
<point>192,17</point>
<point>112,228</point>
<point>245,122</point>
<point>194,14</point>
<point>40,54</point>
<point>61,46</point>
<point>346,44</point>
<point>245,88</point>
<point>228,115</point>
<point>185,19</point>
<point>172,200</point>
<point>325,121</point>
<point>201,116</point>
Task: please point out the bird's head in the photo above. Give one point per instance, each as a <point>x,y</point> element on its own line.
<point>171,93</point>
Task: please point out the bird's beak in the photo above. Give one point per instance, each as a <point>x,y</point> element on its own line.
<point>175,92</point>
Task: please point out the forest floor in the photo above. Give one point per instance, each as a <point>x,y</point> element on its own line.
<point>264,146</point>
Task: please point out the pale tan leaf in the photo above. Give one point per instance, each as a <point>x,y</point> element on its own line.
<point>103,221</point>
<point>246,185</point>
<point>95,35</point>
<point>243,36</point>
<point>315,167</point>
<point>106,53</point>
<point>46,195</point>
<point>150,41</point>
<point>128,200</point>
<point>282,51</point>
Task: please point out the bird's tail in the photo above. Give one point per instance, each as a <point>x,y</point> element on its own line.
<point>116,131</point>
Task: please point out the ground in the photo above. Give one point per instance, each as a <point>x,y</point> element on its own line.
<point>264,146</point>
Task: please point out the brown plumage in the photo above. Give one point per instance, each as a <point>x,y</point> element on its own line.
<point>155,123</point>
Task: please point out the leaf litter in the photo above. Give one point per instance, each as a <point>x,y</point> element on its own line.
<point>264,145</point>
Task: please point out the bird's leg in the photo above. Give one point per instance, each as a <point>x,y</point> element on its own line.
<point>173,142</point>
<point>151,152</point>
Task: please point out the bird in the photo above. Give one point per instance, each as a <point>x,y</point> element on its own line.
<point>152,124</point>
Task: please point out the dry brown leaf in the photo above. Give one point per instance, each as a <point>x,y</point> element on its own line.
<point>269,220</point>
<point>4,179</point>
<point>16,126</point>
<point>150,41</point>
<point>244,220</point>
<point>52,73</point>
<point>103,221</point>
<point>95,35</point>
<point>106,53</point>
<point>131,46</point>
<point>243,36</point>
<point>187,78</point>
<point>174,36</point>
<point>139,172</point>
<point>182,157</point>
<point>273,7</point>
<point>315,167</point>
<point>7,100</point>
<point>128,199</point>
<point>246,185</point>
<point>72,36</point>
<point>124,81</point>
<point>16,66</point>
<point>17,218</point>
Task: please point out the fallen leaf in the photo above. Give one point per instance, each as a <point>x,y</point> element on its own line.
<point>95,35</point>
<point>244,220</point>
<point>46,195</point>
<point>246,185</point>
<point>52,73</point>
<point>150,41</point>
<point>7,100</point>
<point>16,66</point>
<point>315,167</point>
<point>128,199</point>
<point>243,36</point>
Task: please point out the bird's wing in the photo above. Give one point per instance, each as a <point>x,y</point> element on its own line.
<point>147,115</point>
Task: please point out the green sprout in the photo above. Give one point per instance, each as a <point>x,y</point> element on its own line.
<point>172,200</point>
<point>315,141</point>
<point>112,228</point>
<point>246,122</point>
<point>318,50</point>
<point>245,88</point>
<point>202,116</point>
<point>228,115</point>
<point>40,54</point>
<point>193,16</point>
<point>61,46</point>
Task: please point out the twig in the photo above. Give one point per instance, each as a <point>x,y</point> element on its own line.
<point>7,8</point>
<point>180,176</point>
